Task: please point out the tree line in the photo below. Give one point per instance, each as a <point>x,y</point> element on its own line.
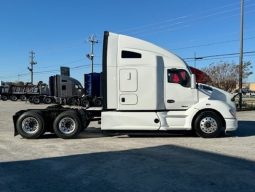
<point>226,75</point>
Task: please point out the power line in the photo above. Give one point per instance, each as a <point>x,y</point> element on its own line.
<point>56,70</point>
<point>221,58</point>
<point>68,63</point>
<point>218,55</point>
<point>214,43</point>
<point>145,29</point>
<point>153,24</point>
<point>173,19</point>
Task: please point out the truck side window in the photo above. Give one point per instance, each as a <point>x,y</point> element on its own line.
<point>130,54</point>
<point>179,76</point>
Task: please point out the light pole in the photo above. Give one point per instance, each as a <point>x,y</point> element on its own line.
<point>32,63</point>
<point>90,56</point>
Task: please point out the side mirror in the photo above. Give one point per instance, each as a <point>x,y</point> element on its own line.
<point>193,81</point>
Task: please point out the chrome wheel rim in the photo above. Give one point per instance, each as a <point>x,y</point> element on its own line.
<point>66,125</point>
<point>30,125</point>
<point>208,125</point>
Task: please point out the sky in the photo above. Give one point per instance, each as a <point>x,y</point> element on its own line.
<point>57,31</point>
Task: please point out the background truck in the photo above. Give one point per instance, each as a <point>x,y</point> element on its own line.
<point>144,88</point>
<point>61,89</point>
<point>21,90</point>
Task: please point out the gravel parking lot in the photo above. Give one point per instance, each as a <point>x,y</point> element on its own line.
<point>94,162</point>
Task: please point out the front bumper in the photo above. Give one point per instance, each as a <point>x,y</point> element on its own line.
<point>231,124</point>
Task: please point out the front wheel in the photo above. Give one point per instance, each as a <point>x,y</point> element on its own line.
<point>208,124</point>
<point>67,125</point>
<point>4,97</point>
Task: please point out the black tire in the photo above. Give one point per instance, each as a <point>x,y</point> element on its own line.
<point>85,102</point>
<point>208,124</point>
<point>47,100</point>
<point>13,98</point>
<point>36,100</point>
<point>67,125</point>
<point>30,99</point>
<point>30,125</point>
<point>98,102</point>
<point>23,98</point>
<point>4,97</point>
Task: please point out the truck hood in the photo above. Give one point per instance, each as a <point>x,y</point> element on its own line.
<point>214,93</point>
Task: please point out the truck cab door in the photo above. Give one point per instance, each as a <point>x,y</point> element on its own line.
<point>178,92</point>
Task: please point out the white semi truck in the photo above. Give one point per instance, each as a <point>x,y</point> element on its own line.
<point>145,88</point>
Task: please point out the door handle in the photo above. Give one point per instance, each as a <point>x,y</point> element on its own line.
<point>170,101</point>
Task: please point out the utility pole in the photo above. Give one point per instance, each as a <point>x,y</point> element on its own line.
<point>241,55</point>
<point>195,61</point>
<point>19,77</point>
<point>32,63</point>
<point>92,40</point>
<point>196,58</point>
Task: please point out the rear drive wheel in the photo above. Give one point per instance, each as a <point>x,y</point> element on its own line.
<point>208,125</point>
<point>85,102</point>
<point>13,98</point>
<point>47,100</point>
<point>67,125</point>
<point>23,98</point>
<point>98,102</point>
<point>36,100</point>
<point>30,125</point>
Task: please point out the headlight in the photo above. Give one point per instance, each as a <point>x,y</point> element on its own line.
<point>233,112</point>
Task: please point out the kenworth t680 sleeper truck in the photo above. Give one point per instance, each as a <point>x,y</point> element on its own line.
<point>145,88</point>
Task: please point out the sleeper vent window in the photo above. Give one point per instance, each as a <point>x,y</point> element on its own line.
<point>130,55</point>
<point>63,87</point>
